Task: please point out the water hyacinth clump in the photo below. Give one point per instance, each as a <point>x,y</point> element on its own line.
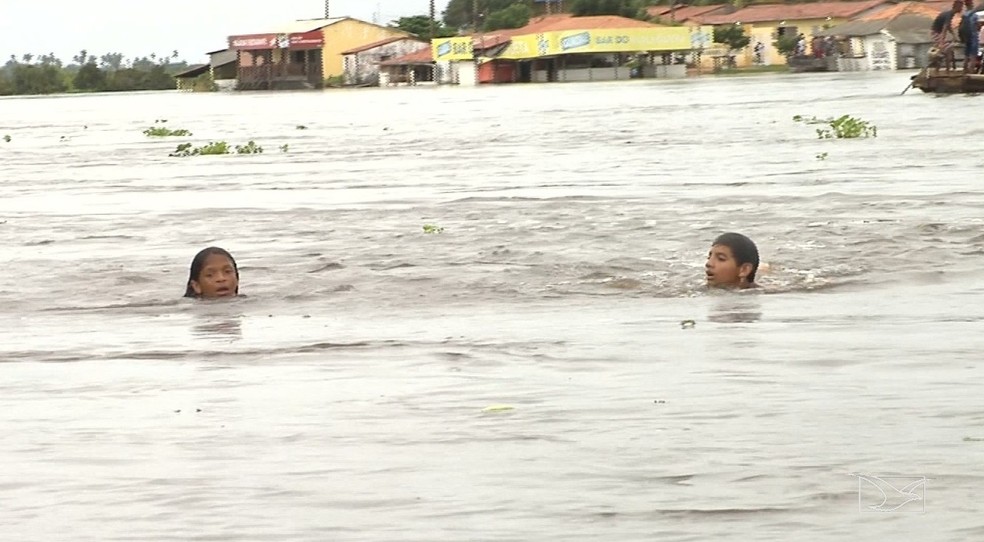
<point>249,148</point>
<point>842,127</point>
<point>163,131</point>
<point>186,149</point>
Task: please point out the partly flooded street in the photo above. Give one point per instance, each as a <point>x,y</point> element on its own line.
<point>463,315</point>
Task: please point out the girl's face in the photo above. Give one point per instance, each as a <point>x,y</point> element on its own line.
<point>722,268</point>
<point>217,279</point>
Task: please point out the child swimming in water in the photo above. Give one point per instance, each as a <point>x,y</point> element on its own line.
<point>213,274</point>
<point>732,262</point>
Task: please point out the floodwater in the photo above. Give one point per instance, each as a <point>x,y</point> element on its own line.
<point>522,373</point>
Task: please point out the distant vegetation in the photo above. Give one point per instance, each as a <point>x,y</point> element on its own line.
<point>47,74</point>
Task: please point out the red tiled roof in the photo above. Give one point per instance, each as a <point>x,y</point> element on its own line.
<point>560,23</point>
<point>379,43</point>
<point>905,8</point>
<point>488,41</point>
<point>938,6</point>
<point>782,12</point>
<point>423,56</point>
<point>566,21</point>
<point>682,13</point>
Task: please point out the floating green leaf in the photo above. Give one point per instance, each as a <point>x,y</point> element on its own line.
<point>431,228</point>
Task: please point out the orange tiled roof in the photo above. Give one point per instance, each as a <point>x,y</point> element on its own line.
<point>558,23</point>
<point>938,6</point>
<point>587,23</point>
<point>905,8</point>
<point>683,13</point>
<point>423,56</point>
<point>782,12</point>
<point>566,21</point>
<point>379,43</point>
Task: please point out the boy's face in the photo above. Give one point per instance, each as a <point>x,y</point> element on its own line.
<point>217,279</point>
<point>722,268</point>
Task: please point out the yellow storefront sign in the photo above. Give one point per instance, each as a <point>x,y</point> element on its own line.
<point>457,48</point>
<point>625,40</point>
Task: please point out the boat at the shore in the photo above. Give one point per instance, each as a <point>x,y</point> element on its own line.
<point>936,81</point>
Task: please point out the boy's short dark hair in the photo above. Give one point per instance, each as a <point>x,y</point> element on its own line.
<point>742,248</point>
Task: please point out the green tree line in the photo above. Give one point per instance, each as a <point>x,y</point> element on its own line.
<point>47,74</point>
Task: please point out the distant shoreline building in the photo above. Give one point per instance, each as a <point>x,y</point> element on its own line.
<point>302,54</point>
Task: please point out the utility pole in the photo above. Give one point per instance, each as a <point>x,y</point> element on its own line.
<point>431,19</point>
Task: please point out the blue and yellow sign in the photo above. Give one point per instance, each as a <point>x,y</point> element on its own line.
<point>605,40</point>
<point>457,48</point>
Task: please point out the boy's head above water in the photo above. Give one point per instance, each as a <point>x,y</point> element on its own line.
<point>732,262</point>
<point>213,274</point>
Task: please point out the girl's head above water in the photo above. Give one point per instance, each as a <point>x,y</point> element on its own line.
<point>732,262</point>
<point>213,274</point>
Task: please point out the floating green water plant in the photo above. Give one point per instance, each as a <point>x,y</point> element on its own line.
<point>216,147</point>
<point>431,228</point>
<point>186,149</point>
<point>843,127</point>
<point>284,147</point>
<point>249,148</point>
<point>822,156</point>
<point>6,138</point>
<point>162,131</point>
<point>301,127</point>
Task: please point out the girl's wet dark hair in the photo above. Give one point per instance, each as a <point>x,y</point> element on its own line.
<point>199,262</point>
<point>742,248</point>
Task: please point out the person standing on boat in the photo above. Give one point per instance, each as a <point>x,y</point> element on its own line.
<point>980,39</point>
<point>969,36</point>
<point>944,36</point>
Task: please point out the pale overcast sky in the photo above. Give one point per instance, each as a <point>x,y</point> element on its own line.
<point>141,27</point>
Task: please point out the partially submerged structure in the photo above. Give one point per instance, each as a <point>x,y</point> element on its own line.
<point>363,64</point>
<point>301,54</point>
<point>220,71</point>
<point>891,39</point>
<point>565,48</point>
